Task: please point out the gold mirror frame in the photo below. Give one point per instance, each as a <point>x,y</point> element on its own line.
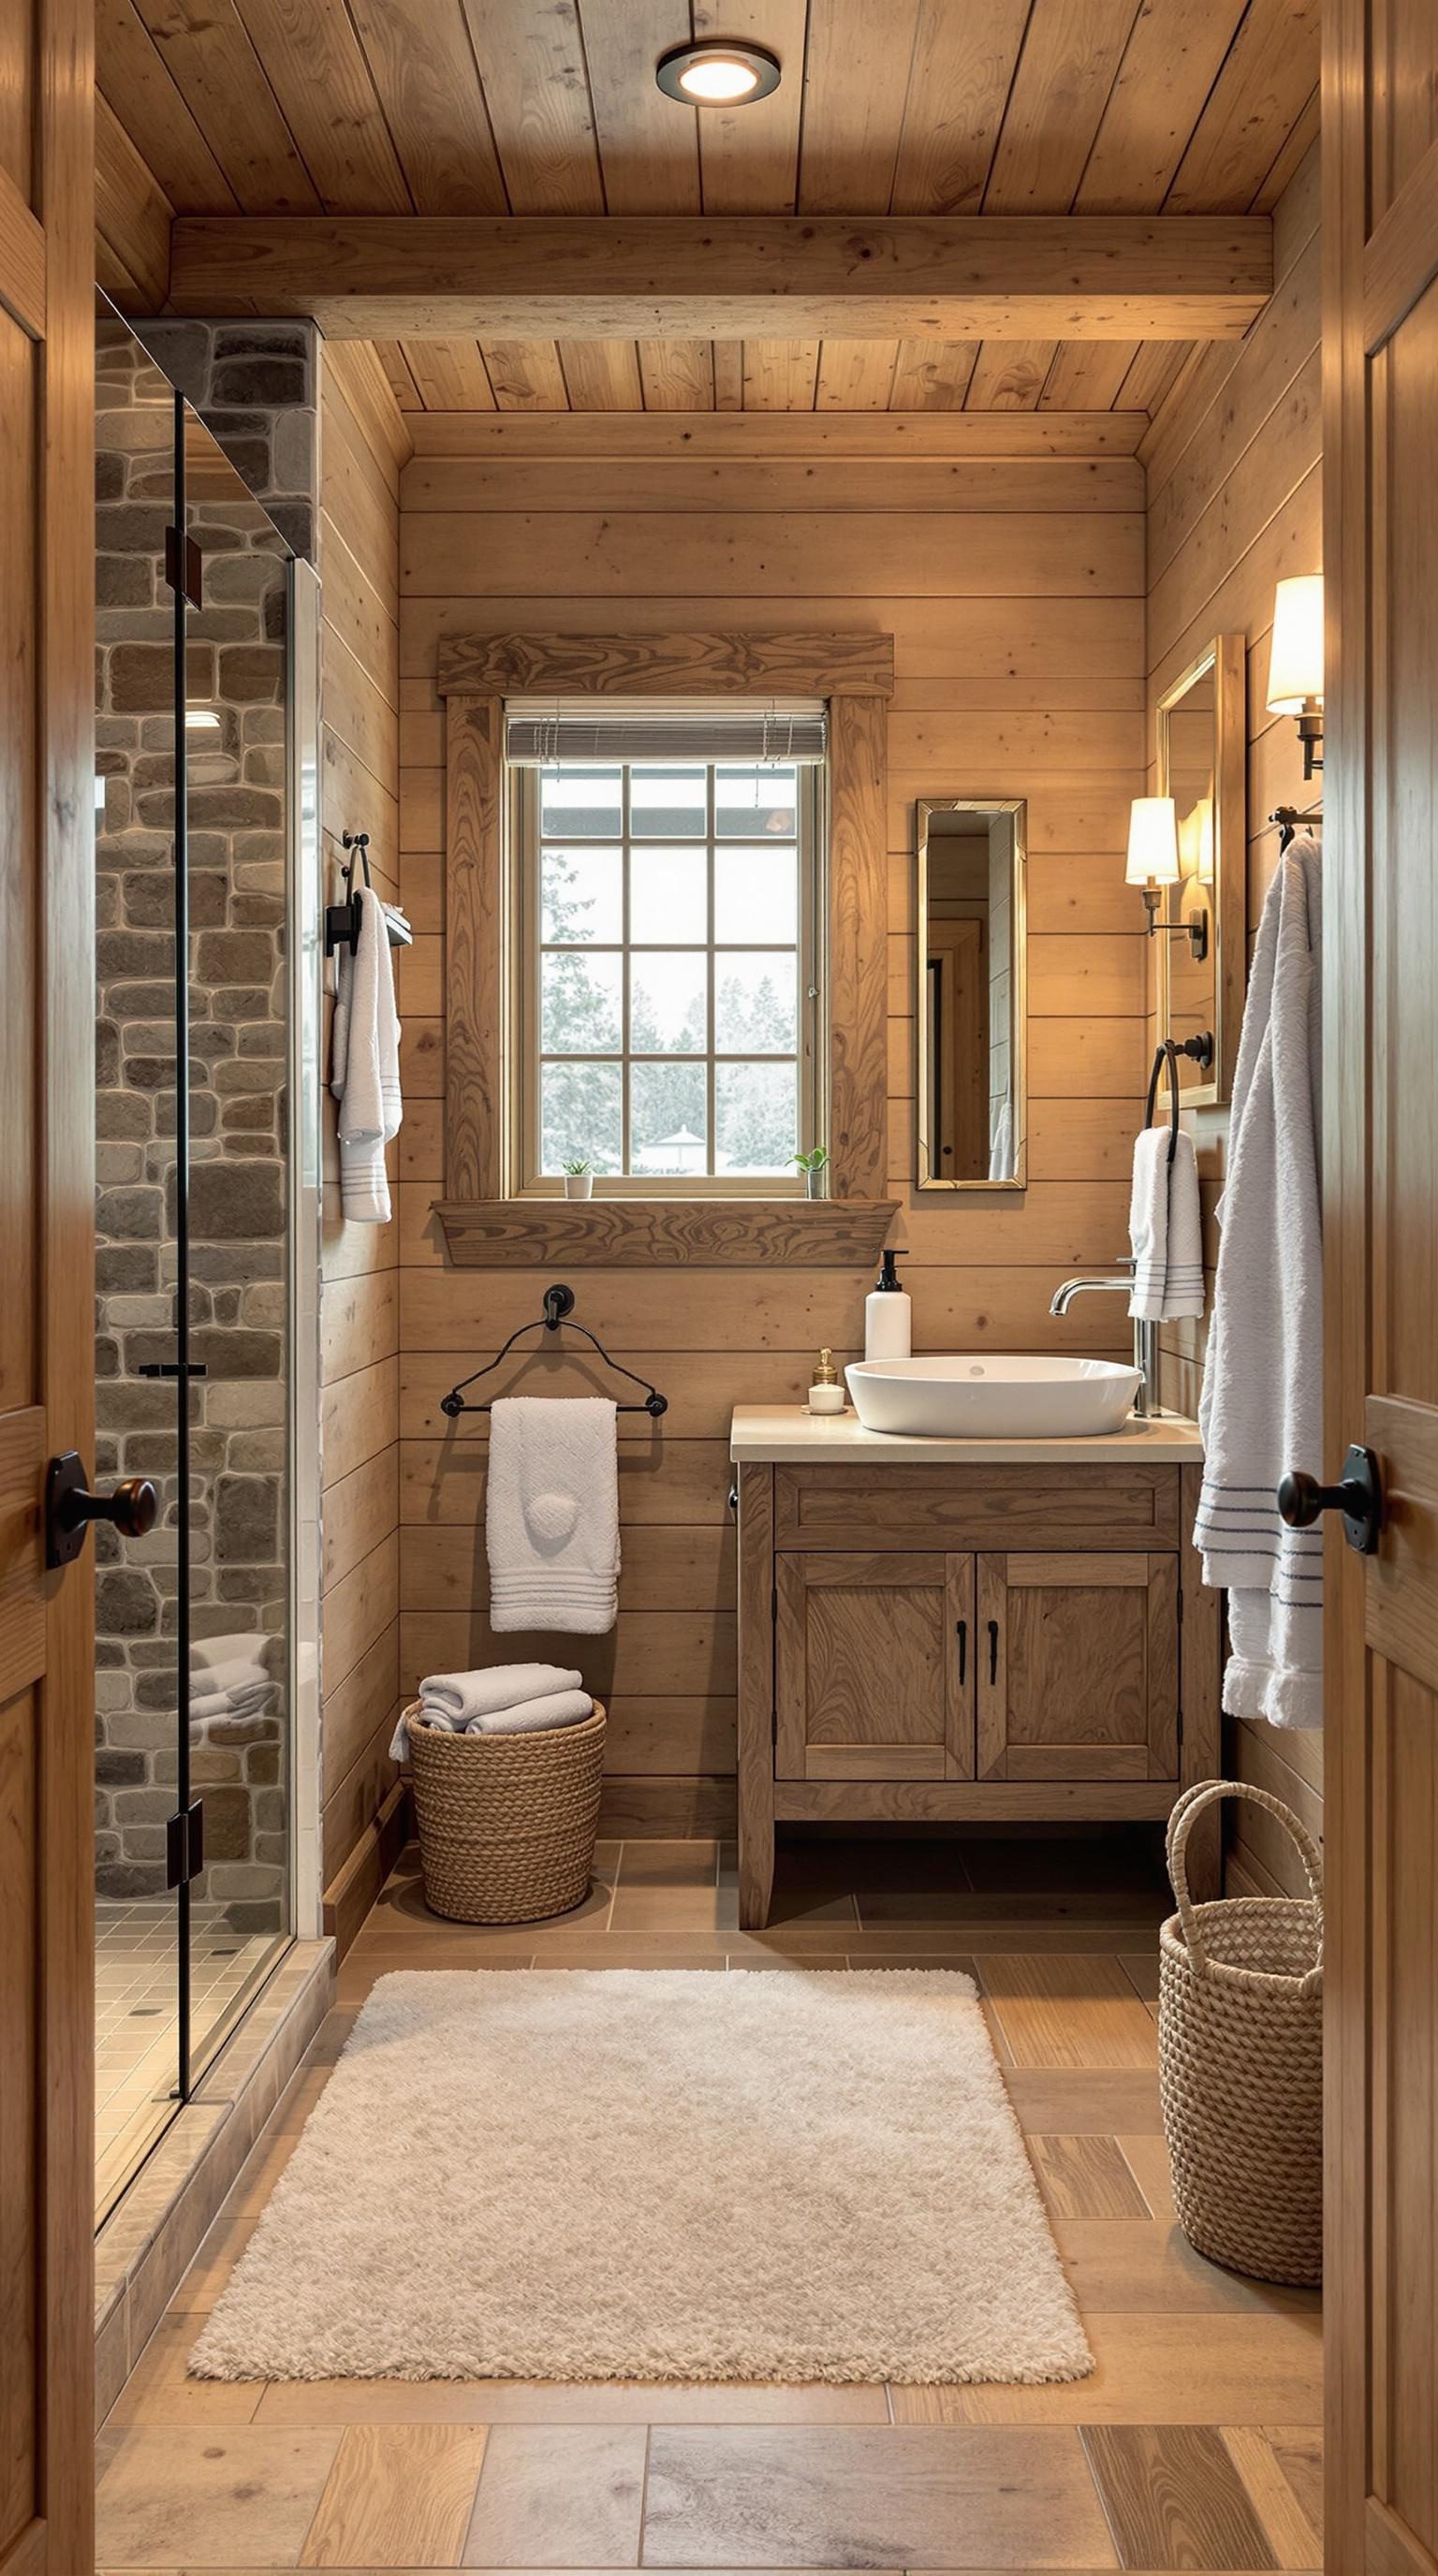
<point>1226,907</point>
<point>1017,808</point>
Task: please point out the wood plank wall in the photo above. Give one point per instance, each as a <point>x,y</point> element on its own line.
<point>1234,505</point>
<point>1012,582</point>
<point>362,441</point>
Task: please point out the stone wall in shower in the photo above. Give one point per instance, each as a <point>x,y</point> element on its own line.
<point>236,675</point>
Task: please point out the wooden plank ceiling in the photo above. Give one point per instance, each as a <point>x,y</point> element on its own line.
<point>534,107</point>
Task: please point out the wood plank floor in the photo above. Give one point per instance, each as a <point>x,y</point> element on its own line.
<point>1194,2445</point>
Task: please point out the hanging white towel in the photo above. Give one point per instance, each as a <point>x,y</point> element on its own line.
<point>364,1065</point>
<point>552,1514</point>
<point>1001,1143</point>
<point>1165,1228</point>
<point>1262,1406</point>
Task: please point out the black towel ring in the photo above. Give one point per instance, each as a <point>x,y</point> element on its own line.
<point>558,1309</point>
<point>1199,1051</point>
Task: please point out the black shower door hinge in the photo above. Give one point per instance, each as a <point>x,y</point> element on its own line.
<point>184,568</point>
<point>185,1844</point>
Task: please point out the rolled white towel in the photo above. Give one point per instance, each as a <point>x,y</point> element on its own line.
<point>460,1697</point>
<point>535,1716</point>
<point>238,1645</point>
<point>239,1673</point>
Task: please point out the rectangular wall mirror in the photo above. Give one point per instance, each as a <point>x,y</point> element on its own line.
<point>969,1003</point>
<point>1202,766</point>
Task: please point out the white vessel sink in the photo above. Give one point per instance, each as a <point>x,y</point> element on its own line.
<point>992,1399</point>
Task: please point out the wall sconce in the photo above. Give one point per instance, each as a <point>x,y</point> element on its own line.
<point>1295,668</point>
<point>1153,864</point>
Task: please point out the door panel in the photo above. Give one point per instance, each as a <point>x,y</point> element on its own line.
<point>1078,1667</point>
<point>1381,1281</point>
<point>868,1662</point>
<point>46,1329</point>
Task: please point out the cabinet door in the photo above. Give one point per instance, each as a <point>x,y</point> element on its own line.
<point>1077,1667</point>
<point>875,1667</point>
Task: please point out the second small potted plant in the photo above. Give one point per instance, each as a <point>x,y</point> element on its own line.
<point>578,1179</point>
<point>812,1167</point>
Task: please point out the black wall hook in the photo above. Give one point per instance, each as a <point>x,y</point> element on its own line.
<point>342,920</point>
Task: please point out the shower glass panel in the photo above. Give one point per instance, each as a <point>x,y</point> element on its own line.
<point>193,1767</point>
<point>237,1211</point>
<point>137,1909</point>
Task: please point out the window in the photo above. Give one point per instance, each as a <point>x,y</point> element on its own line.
<point>667,962</point>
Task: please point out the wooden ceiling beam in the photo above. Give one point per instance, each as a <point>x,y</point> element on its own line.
<point>1031,277</point>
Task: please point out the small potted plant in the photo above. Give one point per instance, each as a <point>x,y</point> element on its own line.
<point>579,1178</point>
<point>812,1167</point>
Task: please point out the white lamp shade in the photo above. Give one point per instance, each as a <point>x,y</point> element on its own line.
<point>1152,842</point>
<point>1295,668</point>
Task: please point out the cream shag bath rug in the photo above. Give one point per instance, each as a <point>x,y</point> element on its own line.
<point>612,2174</point>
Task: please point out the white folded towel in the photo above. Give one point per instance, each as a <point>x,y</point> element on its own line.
<point>237,1646</point>
<point>462,1702</point>
<point>1165,1228</point>
<point>536,1716</point>
<point>459,1698</point>
<point>248,1701</point>
<point>364,1065</point>
<point>552,1514</point>
<point>1262,1406</point>
<point>238,1672</point>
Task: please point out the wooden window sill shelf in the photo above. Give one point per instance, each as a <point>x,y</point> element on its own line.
<point>618,1234</point>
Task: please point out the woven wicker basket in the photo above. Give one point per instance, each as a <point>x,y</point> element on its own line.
<point>506,1822</point>
<point>1240,2053</point>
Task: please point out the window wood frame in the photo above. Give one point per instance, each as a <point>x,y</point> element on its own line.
<point>855,673</point>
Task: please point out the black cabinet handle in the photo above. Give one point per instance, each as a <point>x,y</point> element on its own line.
<point>70,1507</point>
<point>993,1652</point>
<point>962,1626</point>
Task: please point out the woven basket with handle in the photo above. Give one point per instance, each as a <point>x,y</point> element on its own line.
<point>1240,2054</point>
<point>506,1822</point>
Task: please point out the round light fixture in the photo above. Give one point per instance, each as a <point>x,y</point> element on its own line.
<point>715,73</point>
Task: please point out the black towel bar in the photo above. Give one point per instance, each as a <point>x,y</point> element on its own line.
<point>558,1309</point>
<point>1199,1051</point>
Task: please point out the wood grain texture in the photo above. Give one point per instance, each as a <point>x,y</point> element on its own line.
<point>653,664</point>
<point>929,277</point>
<point>618,1234</point>
<point>47,1215</point>
<point>474,935</point>
<point>1174,2498</point>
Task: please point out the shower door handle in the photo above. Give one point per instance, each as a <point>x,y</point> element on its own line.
<point>70,1507</point>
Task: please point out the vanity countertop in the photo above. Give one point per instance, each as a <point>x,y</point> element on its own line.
<point>789,1436</point>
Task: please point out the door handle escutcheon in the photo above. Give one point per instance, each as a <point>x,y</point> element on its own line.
<point>70,1507</point>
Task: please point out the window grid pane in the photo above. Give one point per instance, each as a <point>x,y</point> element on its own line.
<point>661,1074</point>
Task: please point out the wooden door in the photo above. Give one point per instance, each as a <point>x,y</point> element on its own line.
<point>1380,476</point>
<point>874,1668</point>
<point>1078,1667</point>
<point>47,1007</point>
<point>959,1051</point>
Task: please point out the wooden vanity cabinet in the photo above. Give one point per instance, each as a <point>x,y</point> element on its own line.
<point>948,1645</point>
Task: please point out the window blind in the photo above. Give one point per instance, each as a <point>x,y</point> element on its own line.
<point>544,733</point>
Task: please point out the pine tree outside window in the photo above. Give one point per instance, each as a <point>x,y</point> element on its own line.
<point>667,964</point>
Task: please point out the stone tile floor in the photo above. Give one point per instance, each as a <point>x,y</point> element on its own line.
<point>137,2018</point>
<point>1194,2445</point>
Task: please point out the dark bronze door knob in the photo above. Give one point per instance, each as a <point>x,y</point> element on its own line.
<point>1358,1496</point>
<point>70,1507</point>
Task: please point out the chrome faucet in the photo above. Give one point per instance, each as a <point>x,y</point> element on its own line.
<point>1145,1336</point>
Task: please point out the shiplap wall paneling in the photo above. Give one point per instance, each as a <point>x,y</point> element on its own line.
<point>361,442</point>
<point>1234,467</point>
<point>1013,586</point>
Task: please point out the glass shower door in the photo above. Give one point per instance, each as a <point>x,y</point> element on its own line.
<point>236,1758</point>
<point>138,1940</point>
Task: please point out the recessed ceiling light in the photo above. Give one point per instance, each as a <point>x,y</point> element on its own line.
<point>717,74</point>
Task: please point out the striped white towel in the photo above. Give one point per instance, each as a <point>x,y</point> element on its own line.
<point>1165,1228</point>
